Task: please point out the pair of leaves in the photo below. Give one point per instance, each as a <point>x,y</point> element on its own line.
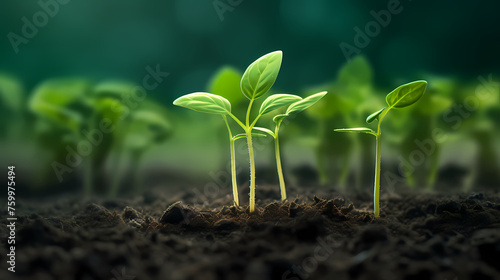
<point>258,78</point>
<point>403,96</point>
<point>296,107</point>
<point>300,106</point>
<point>53,100</point>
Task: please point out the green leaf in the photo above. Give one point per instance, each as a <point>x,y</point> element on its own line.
<point>305,103</point>
<point>226,82</point>
<point>406,95</point>
<point>356,72</point>
<point>243,135</point>
<point>115,89</point>
<point>356,130</point>
<point>110,108</point>
<point>260,76</point>
<point>276,101</point>
<point>60,92</point>
<point>279,118</point>
<point>263,129</point>
<point>55,100</point>
<point>205,103</point>
<point>151,118</point>
<point>58,115</point>
<point>146,127</point>
<point>374,116</point>
<point>11,92</point>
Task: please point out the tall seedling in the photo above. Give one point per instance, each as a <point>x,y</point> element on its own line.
<point>256,81</point>
<point>403,96</point>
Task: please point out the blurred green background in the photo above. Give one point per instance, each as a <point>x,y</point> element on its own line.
<point>67,65</point>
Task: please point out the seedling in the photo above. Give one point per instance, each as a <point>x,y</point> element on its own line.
<point>256,81</point>
<point>403,96</point>
<point>296,107</point>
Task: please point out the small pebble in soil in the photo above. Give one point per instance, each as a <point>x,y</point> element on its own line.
<point>175,214</point>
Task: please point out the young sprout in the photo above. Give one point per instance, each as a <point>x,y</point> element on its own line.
<point>403,96</point>
<point>256,81</point>
<point>62,104</point>
<point>296,107</point>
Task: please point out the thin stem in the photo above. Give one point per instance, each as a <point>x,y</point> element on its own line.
<point>252,170</point>
<point>378,155</point>
<point>236,120</point>
<point>248,130</point>
<point>233,164</point>
<point>278,164</point>
<point>376,188</point>
<point>233,174</point>
<point>248,113</point>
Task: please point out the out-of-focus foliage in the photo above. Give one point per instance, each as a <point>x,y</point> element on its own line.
<point>79,126</point>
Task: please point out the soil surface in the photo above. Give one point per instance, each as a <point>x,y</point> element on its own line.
<point>317,235</point>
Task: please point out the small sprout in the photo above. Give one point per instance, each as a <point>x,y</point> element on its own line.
<point>256,81</point>
<point>296,107</point>
<point>403,96</point>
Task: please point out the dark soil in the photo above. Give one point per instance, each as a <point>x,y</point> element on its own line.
<point>328,236</point>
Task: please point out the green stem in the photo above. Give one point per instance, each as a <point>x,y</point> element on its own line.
<point>233,163</point>
<point>233,174</point>
<point>278,164</point>
<point>252,170</point>
<point>376,188</point>
<point>248,130</point>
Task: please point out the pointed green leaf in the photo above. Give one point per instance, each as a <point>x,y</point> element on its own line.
<point>243,135</point>
<point>205,103</point>
<point>260,76</point>
<point>263,129</point>
<point>277,101</point>
<point>406,95</point>
<point>374,116</point>
<point>305,103</point>
<point>356,130</point>
<point>279,118</point>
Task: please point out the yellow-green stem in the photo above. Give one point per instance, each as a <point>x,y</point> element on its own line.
<point>376,188</point>
<point>252,170</point>
<point>278,164</point>
<point>233,174</point>
<point>233,163</point>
